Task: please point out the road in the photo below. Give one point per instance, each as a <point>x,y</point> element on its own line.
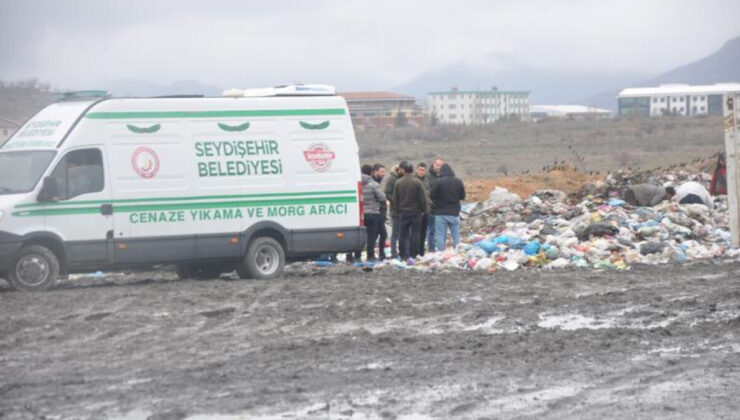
<point>652,342</point>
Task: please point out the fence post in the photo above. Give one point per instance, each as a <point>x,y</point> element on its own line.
<point>732,150</point>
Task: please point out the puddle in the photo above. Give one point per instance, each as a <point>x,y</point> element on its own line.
<point>572,322</point>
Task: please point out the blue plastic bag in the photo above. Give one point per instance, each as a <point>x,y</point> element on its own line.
<point>532,248</point>
<point>488,246</point>
<point>516,243</point>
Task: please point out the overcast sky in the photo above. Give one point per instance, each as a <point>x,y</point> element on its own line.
<point>353,44</point>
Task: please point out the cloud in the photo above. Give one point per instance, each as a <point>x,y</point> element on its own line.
<point>354,44</point>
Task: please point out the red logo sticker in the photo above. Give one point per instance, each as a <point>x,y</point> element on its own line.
<point>319,157</point>
<point>145,162</point>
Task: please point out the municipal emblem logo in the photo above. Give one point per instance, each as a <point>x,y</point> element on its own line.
<point>145,162</point>
<point>319,157</point>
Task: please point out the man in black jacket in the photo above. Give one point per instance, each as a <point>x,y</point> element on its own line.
<point>410,201</point>
<point>447,192</point>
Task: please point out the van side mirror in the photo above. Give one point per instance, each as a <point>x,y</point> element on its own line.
<point>48,190</point>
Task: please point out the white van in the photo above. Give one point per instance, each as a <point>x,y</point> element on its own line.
<point>210,184</point>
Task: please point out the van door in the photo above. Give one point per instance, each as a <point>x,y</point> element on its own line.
<point>150,184</point>
<point>81,211</point>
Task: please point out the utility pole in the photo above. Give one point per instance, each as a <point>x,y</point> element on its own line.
<point>732,152</point>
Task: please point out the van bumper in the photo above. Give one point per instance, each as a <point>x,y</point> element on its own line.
<point>9,245</point>
<point>328,240</point>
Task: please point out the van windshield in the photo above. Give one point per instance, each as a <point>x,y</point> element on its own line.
<point>20,171</point>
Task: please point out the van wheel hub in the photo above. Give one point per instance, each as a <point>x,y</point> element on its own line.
<point>32,270</point>
<point>267,259</point>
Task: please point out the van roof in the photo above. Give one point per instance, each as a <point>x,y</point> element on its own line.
<point>287,90</point>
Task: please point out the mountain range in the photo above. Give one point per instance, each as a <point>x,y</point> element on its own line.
<point>598,89</point>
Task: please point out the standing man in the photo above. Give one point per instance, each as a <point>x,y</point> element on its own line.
<point>410,201</point>
<point>432,177</point>
<point>396,173</point>
<point>372,196</point>
<point>446,194</point>
<point>378,175</point>
<point>421,174</point>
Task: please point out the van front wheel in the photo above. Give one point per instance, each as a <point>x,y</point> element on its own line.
<point>265,259</point>
<point>35,267</point>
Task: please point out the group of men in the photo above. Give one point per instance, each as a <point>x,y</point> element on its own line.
<point>424,205</point>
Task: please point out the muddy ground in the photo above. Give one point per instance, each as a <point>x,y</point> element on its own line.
<point>653,342</point>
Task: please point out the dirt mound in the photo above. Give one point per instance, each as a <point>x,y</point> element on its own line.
<point>565,178</point>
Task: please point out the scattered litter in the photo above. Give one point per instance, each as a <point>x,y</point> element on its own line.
<point>593,228</point>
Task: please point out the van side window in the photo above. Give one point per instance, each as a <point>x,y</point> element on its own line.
<point>79,172</point>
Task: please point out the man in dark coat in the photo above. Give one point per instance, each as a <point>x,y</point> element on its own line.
<point>410,201</point>
<point>432,177</point>
<point>447,192</point>
<point>423,175</point>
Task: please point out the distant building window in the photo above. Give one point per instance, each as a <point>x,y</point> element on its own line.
<point>701,109</point>
<point>680,109</point>
<point>655,100</point>
<point>453,116</point>
<point>662,100</point>
<point>675,99</point>
<point>452,106</point>
<point>703,98</point>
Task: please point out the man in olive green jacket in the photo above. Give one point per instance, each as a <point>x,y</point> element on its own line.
<point>410,201</point>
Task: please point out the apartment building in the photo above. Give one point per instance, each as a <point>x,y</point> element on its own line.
<point>478,106</point>
<point>674,99</point>
<point>371,110</point>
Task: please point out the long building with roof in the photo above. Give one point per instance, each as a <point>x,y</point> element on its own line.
<point>478,106</point>
<point>674,99</point>
<point>373,110</point>
<point>568,112</point>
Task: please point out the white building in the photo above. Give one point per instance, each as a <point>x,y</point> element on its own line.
<point>675,99</point>
<point>568,112</point>
<point>478,107</point>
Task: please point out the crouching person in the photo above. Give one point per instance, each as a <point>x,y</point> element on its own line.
<point>446,195</point>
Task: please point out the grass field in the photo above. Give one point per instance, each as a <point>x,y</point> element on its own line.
<point>515,147</point>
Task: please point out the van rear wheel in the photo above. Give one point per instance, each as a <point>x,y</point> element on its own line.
<point>35,267</point>
<point>265,259</point>
<point>205,271</point>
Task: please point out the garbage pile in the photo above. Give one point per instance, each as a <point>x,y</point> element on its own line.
<point>591,228</point>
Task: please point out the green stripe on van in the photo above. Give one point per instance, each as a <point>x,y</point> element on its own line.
<point>191,198</point>
<point>214,114</point>
<point>187,206</point>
